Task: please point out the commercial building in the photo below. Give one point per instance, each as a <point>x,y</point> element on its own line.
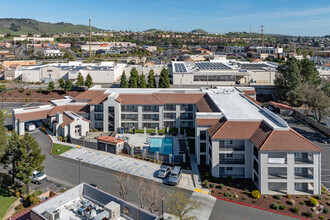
<point>106,45</point>
<point>88,202</point>
<point>234,135</point>
<point>34,39</point>
<point>222,72</point>
<point>53,53</point>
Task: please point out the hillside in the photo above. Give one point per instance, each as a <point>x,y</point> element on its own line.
<point>17,26</point>
<point>201,31</point>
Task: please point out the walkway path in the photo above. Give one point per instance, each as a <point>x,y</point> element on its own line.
<point>207,203</point>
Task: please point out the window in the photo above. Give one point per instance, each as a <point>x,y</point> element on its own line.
<point>297,155</point>
<point>229,168</point>
<point>229,142</point>
<point>297,169</point>
<point>229,155</point>
<point>202,147</point>
<point>202,135</point>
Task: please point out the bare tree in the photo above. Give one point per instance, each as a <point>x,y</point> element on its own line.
<point>180,205</point>
<point>141,191</point>
<point>153,197</point>
<point>125,184</point>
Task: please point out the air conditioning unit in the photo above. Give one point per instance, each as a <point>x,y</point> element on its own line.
<point>114,210</point>
<point>52,214</point>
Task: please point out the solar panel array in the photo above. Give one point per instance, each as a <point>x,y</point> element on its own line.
<point>257,66</point>
<point>212,66</point>
<point>180,68</point>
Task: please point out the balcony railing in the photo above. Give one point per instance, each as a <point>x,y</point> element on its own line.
<point>277,176</point>
<point>129,119</point>
<point>304,176</point>
<point>232,161</point>
<point>304,161</point>
<point>150,119</point>
<point>276,160</point>
<point>129,109</point>
<point>228,148</point>
<point>186,118</point>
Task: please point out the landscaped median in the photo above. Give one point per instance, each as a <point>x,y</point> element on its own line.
<point>59,149</point>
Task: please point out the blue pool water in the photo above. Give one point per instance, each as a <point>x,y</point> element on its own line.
<point>163,145</point>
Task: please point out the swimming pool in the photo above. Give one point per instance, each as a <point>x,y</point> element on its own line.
<point>163,145</point>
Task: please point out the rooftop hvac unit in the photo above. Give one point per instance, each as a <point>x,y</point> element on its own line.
<point>52,214</point>
<point>114,210</point>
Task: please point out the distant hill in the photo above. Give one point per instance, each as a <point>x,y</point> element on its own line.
<point>201,31</point>
<point>25,26</point>
<point>152,30</point>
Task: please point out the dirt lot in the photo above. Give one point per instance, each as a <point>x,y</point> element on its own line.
<point>32,95</point>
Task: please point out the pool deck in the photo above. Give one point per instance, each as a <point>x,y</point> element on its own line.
<point>140,140</point>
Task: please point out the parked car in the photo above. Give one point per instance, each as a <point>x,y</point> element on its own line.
<point>30,127</point>
<point>175,176</point>
<point>163,172</point>
<point>38,177</point>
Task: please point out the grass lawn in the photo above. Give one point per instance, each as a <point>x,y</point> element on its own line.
<point>6,199</point>
<point>62,149</point>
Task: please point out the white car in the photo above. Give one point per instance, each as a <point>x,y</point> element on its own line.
<point>38,177</point>
<point>163,172</point>
<point>30,127</point>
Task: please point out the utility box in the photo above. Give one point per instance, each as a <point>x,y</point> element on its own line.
<point>114,210</point>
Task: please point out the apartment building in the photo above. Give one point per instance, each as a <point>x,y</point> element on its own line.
<point>234,135</point>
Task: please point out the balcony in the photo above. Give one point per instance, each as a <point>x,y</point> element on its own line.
<point>232,148</point>
<point>150,108</point>
<point>170,108</point>
<point>150,119</point>
<point>129,109</point>
<point>277,173</point>
<point>186,118</point>
<point>303,158</point>
<point>232,161</point>
<point>303,173</point>
<point>277,176</point>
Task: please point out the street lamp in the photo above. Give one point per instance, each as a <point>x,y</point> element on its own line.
<point>163,207</point>
<point>79,159</point>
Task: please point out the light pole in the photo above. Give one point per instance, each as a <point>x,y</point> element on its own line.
<point>79,159</point>
<point>163,208</point>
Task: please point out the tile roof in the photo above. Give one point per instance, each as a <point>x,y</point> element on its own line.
<point>30,116</point>
<point>252,99</point>
<point>74,108</point>
<point>202,122</point>
<point>66,121</point>
<point>212,130</point>
<point>249,92</point>
<point>261,134</point>
<point>110,139</point>
<point>99,99</point>
<point>138,99</point>
<point>89,95</point>
<point>288,140</point>
<point>176,98</point>
<point>281,106</point>
<point>205,104</point>
<point>236,130</point>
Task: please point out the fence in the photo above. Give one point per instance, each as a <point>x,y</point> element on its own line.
<point>312,123</point>
<point>82,142</point>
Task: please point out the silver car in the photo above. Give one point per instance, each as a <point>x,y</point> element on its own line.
<point>175,176</point>
<point>163,172</point>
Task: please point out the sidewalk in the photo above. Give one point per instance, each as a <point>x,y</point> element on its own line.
<point>195,172</point>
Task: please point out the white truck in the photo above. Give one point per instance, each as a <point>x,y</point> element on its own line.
<point>38,177</point>
<point>30,127</point>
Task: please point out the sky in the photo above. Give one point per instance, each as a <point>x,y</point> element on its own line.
<point>290,17</point>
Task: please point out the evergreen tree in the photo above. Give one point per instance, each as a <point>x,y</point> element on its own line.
<point>89,81</point>
<point>151,79</point>
<point>62,83</point>
<point>68,85</point>
<point>288,81</point>
<point>164,79</point>
<point>142,81</point>
<point>30,159</point>
<point>309,73</point>
<point>12,153</point>
<point>3,140</point>
<point>51,86</point>
<point>80,80</point>
<point>123,81</point>
<point>133,79</point>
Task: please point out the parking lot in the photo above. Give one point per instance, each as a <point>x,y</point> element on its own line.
<point>124,164</point>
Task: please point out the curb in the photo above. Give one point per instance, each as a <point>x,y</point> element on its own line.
<point>264,209</point>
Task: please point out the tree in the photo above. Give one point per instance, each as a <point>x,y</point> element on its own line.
<point>288,81</point>
<point>123,81</point>
<point>151,79</point>
<point>164,79</point>
<point>62,83</point>
<point>153,197</point>
<point>30,159</point>
<point>125,184</point>
<point>12,153</point>
<point>51,86</point>
<point>89,81</point>
<point>3,139</point>
<point>298,52</point>
<point>180,205</point>
<point>68,85</point>
<point>142,81</point>
<point>309,73</point>
<point>80,80</point>
<point>133,79</point>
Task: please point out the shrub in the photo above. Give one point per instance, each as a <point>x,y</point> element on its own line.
<point>226,194</point>
<point>308,196</point>
<point>321,217</point>
<point>6,179</point>
<point>291,202</point>
<point>206,182</point>
<point>207,186</point>
<point>236,196</point>
<point>208,175</point>
<point>22,190</point>
<point>282,207</point>
<point>243,198</point>
<point>297,197</point>
<point>212,185</point>
<point>319,197</point>
<point>265,197</point>
<point>221,186</point>
<point>325,210</point>
<point>230,195</point>
<point>295,210</point>
<point>40,90</point>
<point>302,203</point>
<point>308,214</point>
<point>288,196</point>
<point>229,188</point>
<point>255,194</point>
<point>322,191</point>
<point>275,206</point>
<point>278,201</point>
<point>314,209</point>
<point>19,207</point>
<point>38,192</point>
<point>277,197</point>
<point>246,191</point>
<point>16,194</point>
<point>313,202</point>
<point>28,93</point>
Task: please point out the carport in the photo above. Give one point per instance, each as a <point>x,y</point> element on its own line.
<point>28,114</point>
